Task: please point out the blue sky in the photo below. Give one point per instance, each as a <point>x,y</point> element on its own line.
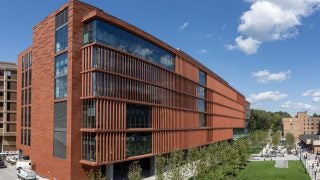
<point>267,49</point>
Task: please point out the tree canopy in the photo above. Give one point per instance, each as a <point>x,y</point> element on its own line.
<point>264,120</point>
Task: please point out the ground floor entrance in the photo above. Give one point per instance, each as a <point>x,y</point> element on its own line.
<point>119,171</point>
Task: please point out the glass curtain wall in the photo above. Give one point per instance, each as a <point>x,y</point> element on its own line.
<point>103,32</point>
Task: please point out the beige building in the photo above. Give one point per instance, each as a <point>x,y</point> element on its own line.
<point>8,96</point>
<point>301,124</point>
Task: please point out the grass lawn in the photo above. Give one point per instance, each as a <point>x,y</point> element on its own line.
<point>265,170</point>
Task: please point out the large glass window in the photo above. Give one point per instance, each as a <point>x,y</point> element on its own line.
<point>202,78</point>
<point>89,114</point>
<point>201,92</point>
<point>111,35</point>
<point>201,105</point>
<point>89,147</point>
<point>60,128</point>
<point>61,70</point>
<point>62,38</point>
<point>61,18</point>
<point>61,30</point>
<point>138,116</point>
<point>138,144</point>
<point>88,33</point>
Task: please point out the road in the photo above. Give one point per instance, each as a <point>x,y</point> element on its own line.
<point>8,173</point>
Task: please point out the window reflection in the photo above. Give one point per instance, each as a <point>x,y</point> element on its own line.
<point>138,116</point>
<point>104,32</point>
<point>201,105</point>
<point>138,144</point>
<point>202,78</point>
<point>61,70</point>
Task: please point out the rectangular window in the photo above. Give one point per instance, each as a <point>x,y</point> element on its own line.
<point>22,80</point>
<point>61,71</point>
<point>30,59</point>
<point>61,31</point>
<point>21,136</point>
<point>61,38</point>
<point>138,116</point>
<point>201,105</point>
<point>29,138</point>
<point>201,92</point>
<point>88,147</point>
<point>62,18</point>
<point>29,117</point>
<point>22,63</point>
<point>25,137</point>
<point>138,144</point>
<point>88,33</point>
<point>60,125</point>
<point>89,113</point>
<point>26,62</point>
<point>202,78</point>
<point>202,120</point>
<point>29,96</point>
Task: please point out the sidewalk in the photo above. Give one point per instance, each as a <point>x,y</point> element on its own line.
<point>313,172</point>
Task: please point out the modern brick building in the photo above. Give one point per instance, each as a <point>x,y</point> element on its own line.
<point>8,96</point>
<point>301,124</point>
<point>105,93</point>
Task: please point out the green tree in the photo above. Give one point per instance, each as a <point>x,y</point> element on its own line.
<point>202,167</point>
<point>160,167</point>
<point>263,120</point>
<point>275,139</point>
<point>175,162</point>
<point>315,115</point>
<point>95,175</point>
<point>134,171</point>
<point>290,141</point>
<point>193,157</point>
<point>259,119</point>
<point>242,146</point>
<point>231,160</point>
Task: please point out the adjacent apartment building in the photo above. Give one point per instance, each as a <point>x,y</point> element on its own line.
<point>8,96</point>
<point>97,93</point>
<point>301,124</point>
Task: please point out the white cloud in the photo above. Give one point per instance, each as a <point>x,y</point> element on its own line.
<point>272,20</point>
<point>248,45</point>
<point>265,76</point>
<point>266,96</point>
<point>184,25</point>
<point>298,106</point>
<point>202,51</point>
<point>315,94</point>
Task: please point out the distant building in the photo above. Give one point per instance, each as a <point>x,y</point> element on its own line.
<point>301,124</point>
<point>8,96</point>
<point>311,141</point>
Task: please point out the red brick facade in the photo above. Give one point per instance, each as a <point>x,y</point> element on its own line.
<point>173,127</point>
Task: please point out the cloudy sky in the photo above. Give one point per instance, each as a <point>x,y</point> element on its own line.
<point>267,49</point>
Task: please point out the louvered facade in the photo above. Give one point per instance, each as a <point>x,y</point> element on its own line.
<point>105,92</point>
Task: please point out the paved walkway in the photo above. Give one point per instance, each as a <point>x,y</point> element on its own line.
<point>9,173</point>
<point>289,157</point>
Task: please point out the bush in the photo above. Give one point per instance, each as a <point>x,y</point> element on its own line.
<point>134,171</point>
